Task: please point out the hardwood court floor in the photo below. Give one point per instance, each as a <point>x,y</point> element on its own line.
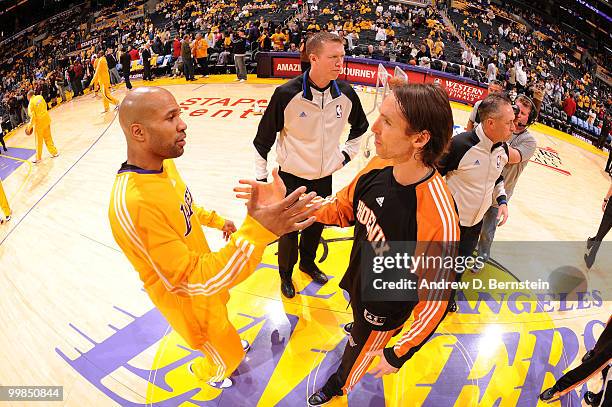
<point>74,313</point>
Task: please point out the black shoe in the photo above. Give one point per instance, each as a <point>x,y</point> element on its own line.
<point>591,252</point>
<point>313,271</point>
<point>287,287</point>
<point>348,328</point>
<point>593,399</point>
<point>323,396</point>
<point>452,306</point>
<point>548,394</point>
<point>589,242</point>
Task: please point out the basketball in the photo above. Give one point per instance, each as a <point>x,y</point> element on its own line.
<point>28,130</point>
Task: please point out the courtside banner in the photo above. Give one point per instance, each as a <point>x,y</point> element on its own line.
<point>364,73</point>
<point>459,91</point>
<point>286,67</point>
<point>352,71</point>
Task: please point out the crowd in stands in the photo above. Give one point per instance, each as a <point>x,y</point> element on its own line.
<point>204,37</point>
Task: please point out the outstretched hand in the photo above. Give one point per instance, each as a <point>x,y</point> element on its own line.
<point>269,192</point>
<point>266,203</point>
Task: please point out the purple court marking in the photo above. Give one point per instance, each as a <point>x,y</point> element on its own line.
<point>8,165</point>
<point>253,375</point>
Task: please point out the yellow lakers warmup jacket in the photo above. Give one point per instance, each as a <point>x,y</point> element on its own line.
<point>159,228</point>
<point>39,115</point>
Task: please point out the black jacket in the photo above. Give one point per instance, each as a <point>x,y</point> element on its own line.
<point>125,62</point>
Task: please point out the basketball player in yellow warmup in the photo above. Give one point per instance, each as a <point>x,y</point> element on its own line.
<point>4,205</point>
<point>102,78</point>
<point>157,224</point>
<point>40,123</point>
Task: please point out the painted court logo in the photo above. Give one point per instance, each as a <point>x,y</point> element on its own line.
<point>519,359</point>
<point>549,158</point>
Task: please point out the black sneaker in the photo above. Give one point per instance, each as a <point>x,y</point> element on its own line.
<point>452,306</point>
<point>591,252</point>
<point>589,243</point>
<point>548,394</point>
<point>323,396</point>
<point>315,273</point>
<point>347,328</point>
<point>287,287</point>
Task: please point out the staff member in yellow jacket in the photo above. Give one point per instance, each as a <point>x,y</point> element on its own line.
<point>102,78</point>
<point>40,123</point>
<point>4,205</point>
<point>157,224</point>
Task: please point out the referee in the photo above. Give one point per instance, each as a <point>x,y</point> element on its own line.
<point>593,243</point>
<point>495,87</point>
<point>310,113</point>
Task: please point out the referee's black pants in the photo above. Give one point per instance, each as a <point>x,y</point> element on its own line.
<point>288,244</point>
<point>605,225</point>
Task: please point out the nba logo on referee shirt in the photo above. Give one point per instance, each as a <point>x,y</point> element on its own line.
<point>338,111</point>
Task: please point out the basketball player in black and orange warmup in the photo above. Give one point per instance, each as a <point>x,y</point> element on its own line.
<point>399,196</point>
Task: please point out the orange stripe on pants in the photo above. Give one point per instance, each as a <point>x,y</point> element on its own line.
<point>377,340</point>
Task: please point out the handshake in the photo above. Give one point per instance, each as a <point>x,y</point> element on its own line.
<point>267,204</point>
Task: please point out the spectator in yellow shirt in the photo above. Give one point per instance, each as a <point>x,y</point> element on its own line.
<point>587,102</point>
<point>200,52</point>
<point>278,39</point>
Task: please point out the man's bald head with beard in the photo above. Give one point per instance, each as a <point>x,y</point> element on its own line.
<point>150,120</point>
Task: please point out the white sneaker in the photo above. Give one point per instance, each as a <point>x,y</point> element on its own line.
<point>242,80</point>
<point>246,346</point>
<point>55,155</point>
<point>223,384</point>
<point>206,76</point>
<point>35,161</point>
<point>5,220</point>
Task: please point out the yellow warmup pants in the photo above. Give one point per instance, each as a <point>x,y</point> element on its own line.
<point>4,202</point>
<point>106,96</point>
<point>222,354</point>
<point>44,134</point>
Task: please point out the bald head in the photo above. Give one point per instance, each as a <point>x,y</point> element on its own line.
<point>142,104</point>
<point>150,120</point>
